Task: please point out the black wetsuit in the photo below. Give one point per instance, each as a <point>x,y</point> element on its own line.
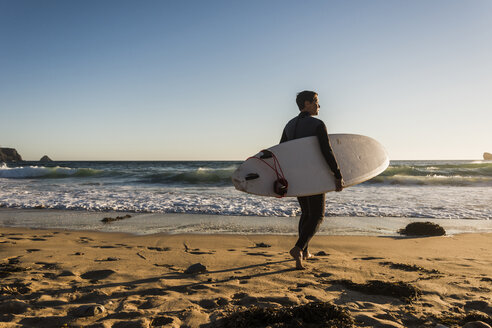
<point>312,207</point>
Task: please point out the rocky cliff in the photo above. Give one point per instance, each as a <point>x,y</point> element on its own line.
<point>45,158</point>
<point>487,156</point>
<point>9,155</point>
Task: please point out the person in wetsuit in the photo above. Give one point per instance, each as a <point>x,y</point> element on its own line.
<point>312,207</point>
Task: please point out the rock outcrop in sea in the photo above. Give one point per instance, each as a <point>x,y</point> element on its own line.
<point>9,155</point>
<point>487,156</point>
<point>45,158</point>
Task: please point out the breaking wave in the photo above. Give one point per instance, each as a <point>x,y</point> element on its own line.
<point>434,174</point>
<point>41,172</point>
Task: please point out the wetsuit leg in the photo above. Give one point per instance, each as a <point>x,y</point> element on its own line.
<point>312,221</point>
<point>304,203</point>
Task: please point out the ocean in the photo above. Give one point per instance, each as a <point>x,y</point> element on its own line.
<point>407,189</point>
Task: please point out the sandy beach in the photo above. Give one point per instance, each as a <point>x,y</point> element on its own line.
<point>55,278</point>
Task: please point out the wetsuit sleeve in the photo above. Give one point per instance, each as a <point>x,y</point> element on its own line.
<point>284,137</point>
<point>324,143</point>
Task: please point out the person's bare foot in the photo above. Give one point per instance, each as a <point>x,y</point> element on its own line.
<point>296,253</point>
<point>306,255</point>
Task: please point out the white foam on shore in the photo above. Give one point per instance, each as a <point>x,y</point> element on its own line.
<point>368,201</point>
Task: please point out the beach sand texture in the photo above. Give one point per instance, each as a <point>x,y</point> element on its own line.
<point>55,278</point>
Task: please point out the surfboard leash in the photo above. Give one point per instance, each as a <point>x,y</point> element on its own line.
<point>281,185</point>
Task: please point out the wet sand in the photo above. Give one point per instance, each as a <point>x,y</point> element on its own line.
<point>51,278</point>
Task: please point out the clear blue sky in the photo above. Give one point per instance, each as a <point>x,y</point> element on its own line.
<point>204,80</point>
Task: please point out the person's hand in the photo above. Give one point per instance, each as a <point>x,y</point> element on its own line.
<point>339,185</point>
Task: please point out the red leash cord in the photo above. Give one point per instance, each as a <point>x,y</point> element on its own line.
<point>281,184</point>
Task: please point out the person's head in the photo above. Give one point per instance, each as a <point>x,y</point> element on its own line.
<point>307,101</point>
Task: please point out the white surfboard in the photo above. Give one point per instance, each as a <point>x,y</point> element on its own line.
<point>359,158</point>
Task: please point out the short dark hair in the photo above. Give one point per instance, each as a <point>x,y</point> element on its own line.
<point>304,96</point>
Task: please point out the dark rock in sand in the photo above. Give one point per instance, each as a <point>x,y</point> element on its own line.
<point>196,268</point>
<point>263,245</point>
<point>487,156</point>
<point>97,274</point>
<point>14,307</point>
<point>321,253</point>
<point>422,229</point>
<point>314,314</point>
<point>45,158</point>
<point>9,155</point>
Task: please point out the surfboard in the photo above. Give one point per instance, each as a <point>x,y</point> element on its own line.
<point>359,158</point>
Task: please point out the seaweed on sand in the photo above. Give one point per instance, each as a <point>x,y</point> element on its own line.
<point>314,314</point>
<point>422,229</point>
<point>110,219</point>
<point>6,269</point>
<point>408,267</point>
<point>400,290</point>
<point>15,288</point>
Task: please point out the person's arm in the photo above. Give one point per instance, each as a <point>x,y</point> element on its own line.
<point>327,152</point>
<point>284,137</point>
